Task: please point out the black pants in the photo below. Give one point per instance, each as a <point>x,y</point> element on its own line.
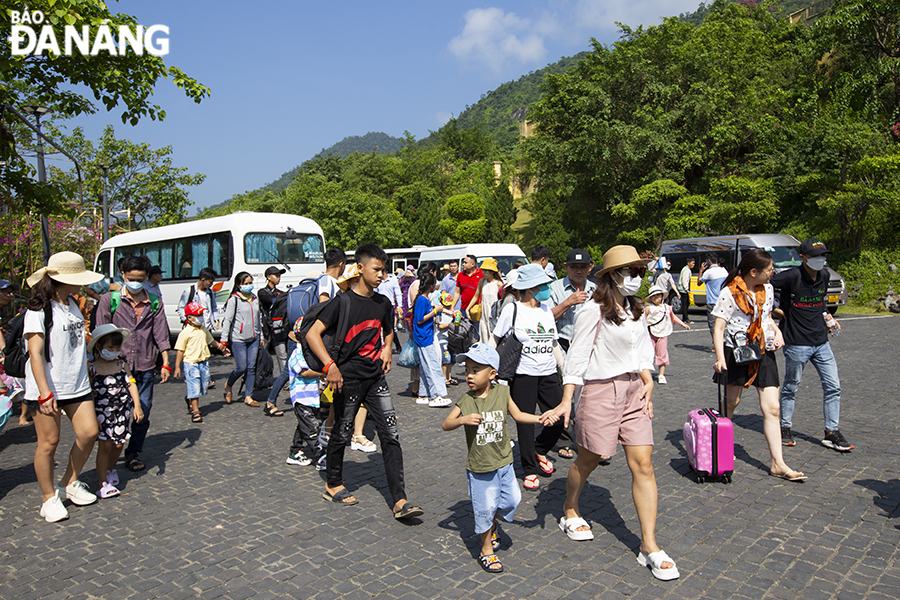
<point>397,345</point>
<point>685,304</point>
<point>377,397</point>
<point>530,392</point>
<point>307,432</point>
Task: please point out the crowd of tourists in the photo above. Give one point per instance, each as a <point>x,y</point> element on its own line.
<point>575,354</point>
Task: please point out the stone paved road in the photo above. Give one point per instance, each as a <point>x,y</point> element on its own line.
<point>217,513</point>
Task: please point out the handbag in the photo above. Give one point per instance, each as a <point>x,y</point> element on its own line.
<point>746,353</point>
<point>475,312</point>
<point>409,356</point>
<point>510,351</point>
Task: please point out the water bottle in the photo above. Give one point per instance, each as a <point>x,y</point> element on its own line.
<point>831,324</point>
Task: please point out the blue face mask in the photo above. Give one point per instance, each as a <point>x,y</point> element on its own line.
<point>543,293</point>
<point>247,288</point>
<point>134,286</point>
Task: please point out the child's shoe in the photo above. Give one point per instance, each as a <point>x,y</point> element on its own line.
<point>662,379</point>
<point>298,458</point>
<point>320,464</point>
<point>107,490</point>
<point>112,476</point>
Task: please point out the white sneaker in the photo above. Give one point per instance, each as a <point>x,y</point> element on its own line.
<point>78,493</point>
<point>298,458</point>
<point>366,445</point>
<point>108,490</point>
<point>112,476</point>
<point>53,510</point>
<point>440,402</point>
<point>422,400</point>
<point>662,379</point>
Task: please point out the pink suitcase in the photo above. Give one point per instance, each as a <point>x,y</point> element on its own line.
<point>709,439</point>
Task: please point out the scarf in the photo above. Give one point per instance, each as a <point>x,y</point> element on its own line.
<point>741,295</point>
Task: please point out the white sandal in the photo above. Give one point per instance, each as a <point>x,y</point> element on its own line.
<point>570,527</point>
<point>654,560</point>
<point>324,434</point>
<point>366,445</point>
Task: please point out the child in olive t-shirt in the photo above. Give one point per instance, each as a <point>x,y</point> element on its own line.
<point>492,479</point>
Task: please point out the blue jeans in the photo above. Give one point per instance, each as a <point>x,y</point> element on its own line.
<point>283,377</point>
<point>244,364</point>
<point>144,381</point>
<point>431,377</point>
<point>822,358</point>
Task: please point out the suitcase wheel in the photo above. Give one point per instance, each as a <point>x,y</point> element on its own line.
<point>726,478</point>
<point>700,478</point>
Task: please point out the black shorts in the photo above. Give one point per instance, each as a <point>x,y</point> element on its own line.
<point>36,406</point>
<point>766,376</point>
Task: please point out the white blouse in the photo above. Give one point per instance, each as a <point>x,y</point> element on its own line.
<point>619,349</point>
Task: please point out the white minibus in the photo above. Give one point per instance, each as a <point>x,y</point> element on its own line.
<point>241,241</point>
<point>506,254</point>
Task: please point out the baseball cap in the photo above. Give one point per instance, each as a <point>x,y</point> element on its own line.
<point>5,283</point>
<point>274,271</point>
<point>193,309</point>
<point>578,256</point>
<point>483,355</point>
<point>813,247</point>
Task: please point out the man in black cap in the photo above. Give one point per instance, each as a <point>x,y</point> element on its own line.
<point>277,343</point>
<point>803,293</point>
<point>568,295</point>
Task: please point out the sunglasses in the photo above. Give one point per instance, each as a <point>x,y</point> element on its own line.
<point>632,271</point>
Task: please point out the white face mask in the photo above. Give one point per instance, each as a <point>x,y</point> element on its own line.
<point>816,263</point>
<point>630,285</point>
<point>109,354</point>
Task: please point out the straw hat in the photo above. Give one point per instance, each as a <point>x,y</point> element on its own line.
<point>490,264</point>
<point>350,273</point>
<point>655,289</point>
<point>618,257</point>
<point>103,331</point>
<point>67,268</point>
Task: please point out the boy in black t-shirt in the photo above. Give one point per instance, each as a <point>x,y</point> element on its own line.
<point>356,375</point>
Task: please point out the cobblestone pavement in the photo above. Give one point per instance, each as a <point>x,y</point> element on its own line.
<point>218,514</point>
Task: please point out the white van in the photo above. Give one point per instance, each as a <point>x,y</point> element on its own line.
<point>505,254</point>
<point>241,241</point>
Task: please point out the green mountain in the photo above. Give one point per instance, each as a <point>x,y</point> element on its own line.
<point>787,7</point>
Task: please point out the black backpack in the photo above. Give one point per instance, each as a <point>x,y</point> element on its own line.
<point>264,370</point>
<point>461,336</point>
<point>333,337</point>
<point>16,351</point>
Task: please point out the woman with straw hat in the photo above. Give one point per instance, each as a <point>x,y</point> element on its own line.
<point>612,356</point>
<point>489,293</point>
<point>56,378</point>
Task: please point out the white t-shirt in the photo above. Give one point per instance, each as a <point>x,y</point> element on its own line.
<point>736,322</point>
<point>536,329</point>
<point>328,285</point>
<point>67,373</point>
<point>443,335</point>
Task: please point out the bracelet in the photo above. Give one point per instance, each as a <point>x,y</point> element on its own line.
<point>47,399</point>
<point>167,368</point>
<point>326,367</point>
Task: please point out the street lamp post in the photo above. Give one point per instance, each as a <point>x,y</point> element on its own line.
<point>38,112</point>
<point>105,234</point>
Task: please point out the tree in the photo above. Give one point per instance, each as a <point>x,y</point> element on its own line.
<point>64,83</point>
<point>472,144</point>
<point>420,205</point>
<point>500,212</point>
<point>465,222</point>
<point>647,212</point>
<point>140,179</point>
<point>740,205</point>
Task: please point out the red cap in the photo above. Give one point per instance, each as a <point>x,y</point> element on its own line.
<point>193,309</point>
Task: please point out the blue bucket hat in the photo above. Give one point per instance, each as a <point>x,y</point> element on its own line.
<point>530,276</point>
<point>483,355</point>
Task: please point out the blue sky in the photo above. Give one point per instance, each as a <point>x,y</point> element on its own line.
<point>291,77</point>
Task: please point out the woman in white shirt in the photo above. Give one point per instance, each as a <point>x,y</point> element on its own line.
<point>743,317</point>
<point>56,378</point>
<point>612,356</point>
<point>536,382</point>
<point>489,293</point>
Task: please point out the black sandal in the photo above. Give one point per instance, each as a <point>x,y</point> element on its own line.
<point>196,417</point>
<point>340,497</point>
<point>135,464</point>
<point>272,411</point>
<point>408,511</point>
<point>489,561</point>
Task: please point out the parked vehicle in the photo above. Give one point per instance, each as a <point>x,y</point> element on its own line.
<point>241,241</point>
<point>506,254</point>
<point>730,248</point>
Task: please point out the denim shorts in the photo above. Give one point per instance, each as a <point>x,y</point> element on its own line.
<point>196,376</point>
<point>493,493</point>
<point>446,357</point>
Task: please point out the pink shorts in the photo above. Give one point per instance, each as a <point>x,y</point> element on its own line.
<point>611,411</point>
<point>661,348</point>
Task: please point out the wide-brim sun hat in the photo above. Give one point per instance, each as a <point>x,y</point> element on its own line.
<point>655,289</point>
<point>104,330</point>
<point>531,276</point>
<point>490,264</point>
<point>350,273</point>
<point>67,268</point>
<point>618,257</point>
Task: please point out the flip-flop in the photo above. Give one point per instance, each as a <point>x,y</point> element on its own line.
<point>531,484</point>
<point>797,476</point>
<point>408,511</point>
<point>570,526</point>
<point>135,464</point>
<point>339,497</point>
<point>654,560</point>
<point>544,466</point>
<point>566,452</point>
<point>490,560</point>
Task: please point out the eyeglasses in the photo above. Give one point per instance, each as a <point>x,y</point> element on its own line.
<point>632,271</point>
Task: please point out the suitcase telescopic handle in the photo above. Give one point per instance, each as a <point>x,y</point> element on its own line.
<point>723,398</point>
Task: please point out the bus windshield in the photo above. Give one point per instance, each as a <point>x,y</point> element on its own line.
<point>286,248</point>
